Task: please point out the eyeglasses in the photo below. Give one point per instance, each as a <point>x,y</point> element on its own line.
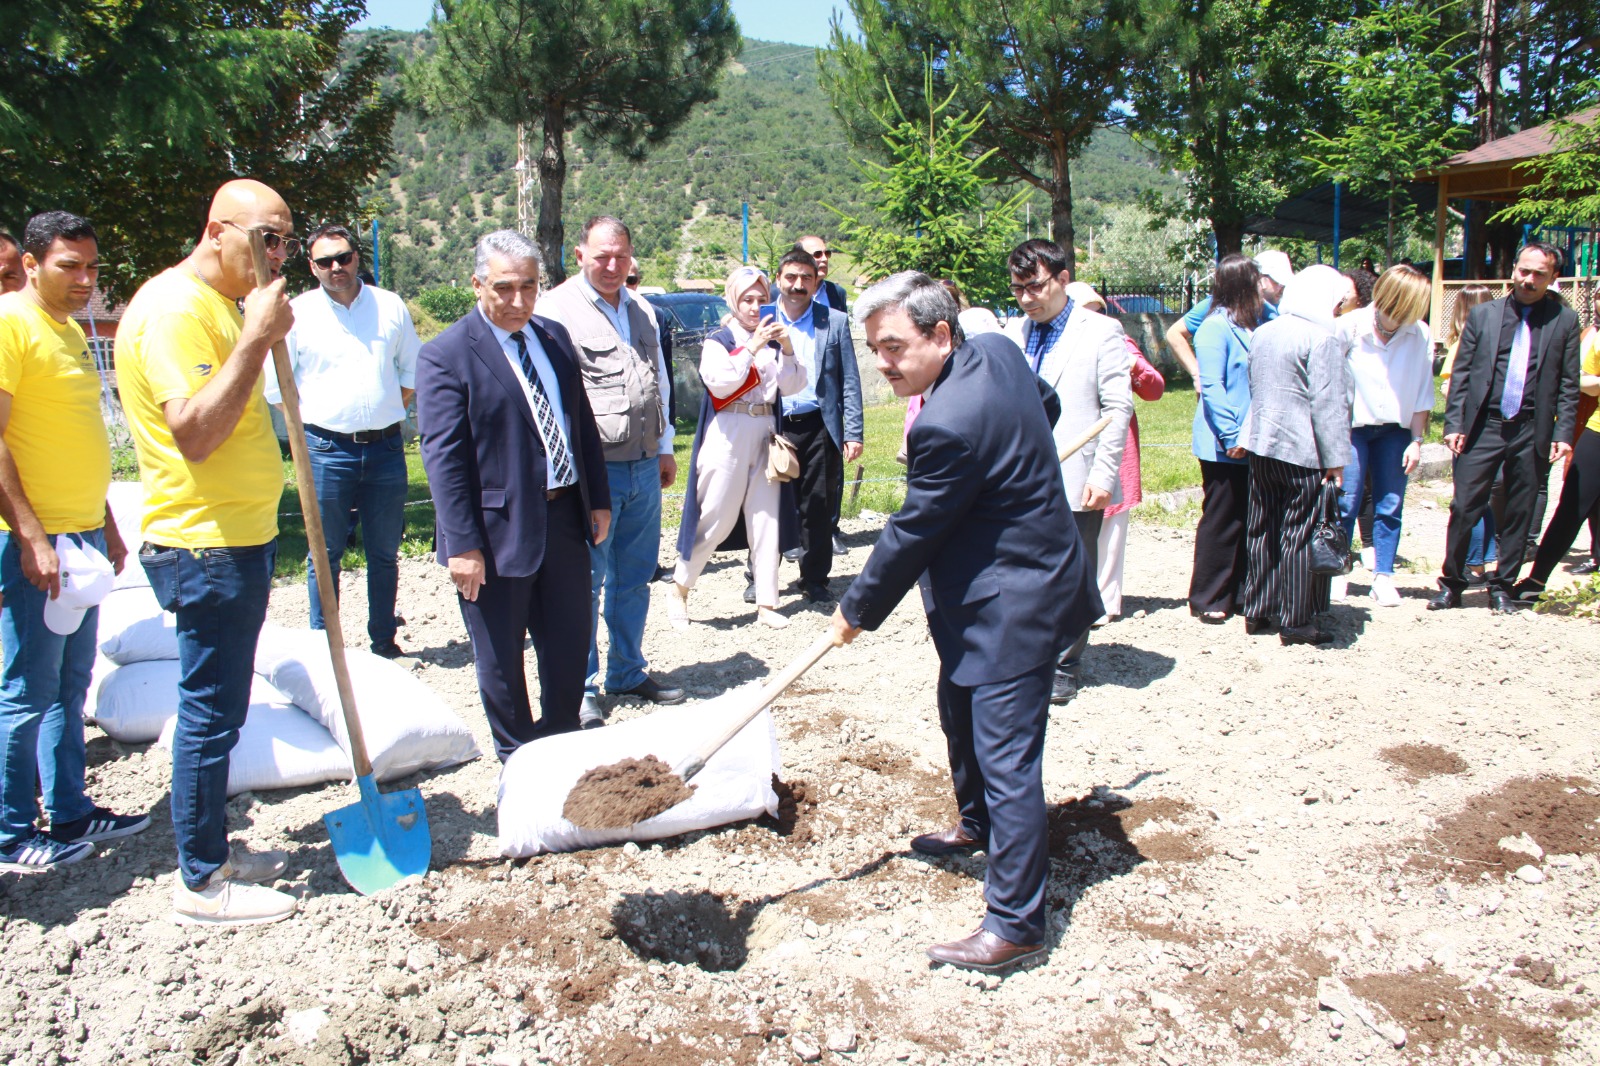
<point>326,261</point>
<point>291,245</point>
<point>822,253</point>
<point>631,279</point>
<point>1032,288</point>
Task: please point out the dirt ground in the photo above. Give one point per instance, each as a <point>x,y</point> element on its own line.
<point>1402,824</point>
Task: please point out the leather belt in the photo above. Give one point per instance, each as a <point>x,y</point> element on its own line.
<point>760,409</point>
<point>802,419</point>
<point>556,494</point>
<point>365,436</point>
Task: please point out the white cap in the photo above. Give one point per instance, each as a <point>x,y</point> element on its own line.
<point>1275,265</point>
<point>86,579</point>
<point>1084,295</point>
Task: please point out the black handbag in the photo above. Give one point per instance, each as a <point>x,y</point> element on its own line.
<point>1330,545</point>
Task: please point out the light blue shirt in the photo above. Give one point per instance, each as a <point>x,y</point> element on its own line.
<point>618,315</point>
<point>803,337</point>
<point>547,378</point>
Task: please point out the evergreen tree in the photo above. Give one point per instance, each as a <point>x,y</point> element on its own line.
<point>623,72</point>
<point>1566,191</point>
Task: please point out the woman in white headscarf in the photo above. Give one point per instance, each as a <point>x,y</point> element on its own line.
<point>746,366</point>
<point>1297,433</point>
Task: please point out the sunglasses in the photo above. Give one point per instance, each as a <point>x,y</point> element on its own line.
<point>271,240</point>
<point>822,253</point>
<point>325,261</point>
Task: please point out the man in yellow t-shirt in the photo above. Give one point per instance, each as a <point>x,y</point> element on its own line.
<point>189,371</point>
<point>55,467</point>
<point>12,276</point>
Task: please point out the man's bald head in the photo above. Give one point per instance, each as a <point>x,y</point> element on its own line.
<point>222,256</point>
<point>818,250</point>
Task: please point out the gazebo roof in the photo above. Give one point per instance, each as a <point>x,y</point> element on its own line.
<point>1488,172</point>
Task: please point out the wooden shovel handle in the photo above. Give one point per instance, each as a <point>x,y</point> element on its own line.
<point>315,539</point>
<point>769,692</point>
<point>1075,446</point>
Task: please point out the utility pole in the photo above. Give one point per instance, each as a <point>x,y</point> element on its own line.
<point>524,183</point>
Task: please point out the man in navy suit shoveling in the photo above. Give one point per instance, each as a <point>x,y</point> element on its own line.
<point>987,531</point>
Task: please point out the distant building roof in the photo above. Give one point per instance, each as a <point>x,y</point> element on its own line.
<point>1525,144</point>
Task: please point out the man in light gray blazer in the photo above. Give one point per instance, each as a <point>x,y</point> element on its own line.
<point>1083,356</point>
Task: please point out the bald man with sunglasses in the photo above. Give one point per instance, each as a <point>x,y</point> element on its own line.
<point>354,353</point>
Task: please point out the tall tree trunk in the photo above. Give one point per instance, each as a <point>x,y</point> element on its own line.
<point>1229,235</point>
<point>1061,203</point>
<point>552,188</point>
<point>1488,70</point>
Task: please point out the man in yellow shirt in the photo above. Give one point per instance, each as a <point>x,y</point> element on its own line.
<point>189,370</point>
<point>12,276</point>
<point>55,467</point>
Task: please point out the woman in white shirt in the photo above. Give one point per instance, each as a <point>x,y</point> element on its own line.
<point>746,366</point>
<point>1391,371</point>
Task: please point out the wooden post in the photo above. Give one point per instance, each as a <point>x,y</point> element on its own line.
<point>855,486</point>
<point>1440,222</point>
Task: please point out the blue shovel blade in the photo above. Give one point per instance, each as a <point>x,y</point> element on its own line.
<point>382,839</point>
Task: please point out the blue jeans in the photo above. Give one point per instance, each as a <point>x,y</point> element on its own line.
<point>220,598</point>
<point>624,564</point>
<point>1482,550</point>
<point>1376,452</point>
<point>41,700</point>
<point>371,479</point>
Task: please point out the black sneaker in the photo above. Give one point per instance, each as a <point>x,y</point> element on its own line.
<point>39,852</point>
<point>99,824</point>
<point>388,650</point>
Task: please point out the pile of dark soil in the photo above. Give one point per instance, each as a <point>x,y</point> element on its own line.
<point>1559,813</point>
<point>624,793</point>
<point>1424,760</point>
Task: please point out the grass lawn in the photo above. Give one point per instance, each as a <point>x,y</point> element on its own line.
<point>416,541</point>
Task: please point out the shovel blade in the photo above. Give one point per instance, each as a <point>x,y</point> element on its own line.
<point>382,839</point>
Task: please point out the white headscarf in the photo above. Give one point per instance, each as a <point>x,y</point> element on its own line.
<point>1314,294</point>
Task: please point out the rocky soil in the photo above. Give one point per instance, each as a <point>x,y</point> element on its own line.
<point>1259,853</point>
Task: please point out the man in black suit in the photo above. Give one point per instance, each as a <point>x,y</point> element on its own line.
<point>515,466</point>
<point>987,531</point>
<point>1513,403</point>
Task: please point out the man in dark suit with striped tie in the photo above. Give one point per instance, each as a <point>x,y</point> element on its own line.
<point>515,467</point>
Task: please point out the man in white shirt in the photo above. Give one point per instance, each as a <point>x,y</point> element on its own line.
<point>354,353</point>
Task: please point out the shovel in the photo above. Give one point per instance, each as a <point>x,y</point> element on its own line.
<point>384,837</point>
<point>1075,446</point>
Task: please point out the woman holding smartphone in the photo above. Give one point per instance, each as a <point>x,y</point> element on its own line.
<point>747,366</point>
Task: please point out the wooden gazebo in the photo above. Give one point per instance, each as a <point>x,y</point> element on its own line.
<point>1494,171</point>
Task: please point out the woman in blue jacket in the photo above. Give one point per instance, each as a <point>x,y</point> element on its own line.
<point>1222,348</point>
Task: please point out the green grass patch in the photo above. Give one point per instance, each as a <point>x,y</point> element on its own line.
<point>417,540</point>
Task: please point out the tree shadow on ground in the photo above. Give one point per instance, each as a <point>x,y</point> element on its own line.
<point>1124,665</point>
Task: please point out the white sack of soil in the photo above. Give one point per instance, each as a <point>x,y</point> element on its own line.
<point>127,510</point>
<point>97,676</point>
<point>736,784</point>
<point>407,727</point>
<point>133,703</point>
<point>134,628</point>
<point>280,746</point>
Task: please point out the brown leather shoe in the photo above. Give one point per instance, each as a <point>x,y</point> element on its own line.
<point>945,841</point>
<point>987,953</point>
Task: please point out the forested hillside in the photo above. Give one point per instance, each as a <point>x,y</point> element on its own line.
<point>769,138</point>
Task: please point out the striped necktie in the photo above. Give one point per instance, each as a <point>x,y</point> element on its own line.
<point>555,446</point>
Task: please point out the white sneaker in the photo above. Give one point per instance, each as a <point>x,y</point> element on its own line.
<point>769,616</point>
<point>1369,559</point>
<point>255,867</point>
<point>1338,589</point>
<point>1384,592</point>
<point>226,902</point>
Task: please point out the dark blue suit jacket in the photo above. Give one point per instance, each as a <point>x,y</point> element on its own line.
<point>985,526</point>
<point>838,380</point>
<point>482,451</point>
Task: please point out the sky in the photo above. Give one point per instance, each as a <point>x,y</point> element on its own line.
<point>803,22</point>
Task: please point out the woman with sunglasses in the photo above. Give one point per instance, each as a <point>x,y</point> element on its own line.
<point>746,366</point>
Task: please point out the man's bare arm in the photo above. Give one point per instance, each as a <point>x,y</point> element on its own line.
<point>201,423</point>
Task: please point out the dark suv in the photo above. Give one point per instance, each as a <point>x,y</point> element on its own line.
<point>691,316</point>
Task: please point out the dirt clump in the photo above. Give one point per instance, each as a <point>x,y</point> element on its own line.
<point>1558,813</point>
<point>624,793</point>
<point>1435,1010</point>
<point>689,928</point>
<point>1258,991</point>
<point>1424,760</point>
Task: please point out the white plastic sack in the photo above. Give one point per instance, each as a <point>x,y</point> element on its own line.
<point>736,784</point>
<point>133,703</point>
<point>102,669</point>
<point>134,628</point>
<point>280,746</point>
<point>407,727</point>
<point>127,510</point>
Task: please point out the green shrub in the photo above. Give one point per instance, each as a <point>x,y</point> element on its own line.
<point>446,302</point>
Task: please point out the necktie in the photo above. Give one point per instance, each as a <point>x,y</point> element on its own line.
<point>554,445</point>
<point>1517,367</point>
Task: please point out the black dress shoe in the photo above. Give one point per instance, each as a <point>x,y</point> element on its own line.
<point>652,690</point>
<point>956,838</point>
<point>817,591</point>
<point>388,649</point>
<point>985,952</point>
<point>1303,635</point>
<point>1444,600</point>
<point>1254,626</point>
<point>750,592</point>
<point>1502,602</point>
<point>1585,568</point>
<point>1063,688</point>
<point>664,574</point>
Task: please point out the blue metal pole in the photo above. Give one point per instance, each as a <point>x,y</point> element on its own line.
<point>745,212</point>
<point>377,277</point>
<point>1337,207</point>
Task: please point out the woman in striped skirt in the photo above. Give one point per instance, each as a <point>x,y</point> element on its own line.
<point>1298,436</point>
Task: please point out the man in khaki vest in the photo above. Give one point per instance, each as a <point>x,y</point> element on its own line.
<point>624,374</point>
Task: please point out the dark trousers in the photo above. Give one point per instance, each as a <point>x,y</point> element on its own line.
<point>1506,448</point>
<point>368,481</point>
<point>995,735</point>
<point>818,486</point>
<point>1279,585</point>
<point>1219,555</point>
<point>1088,523</point>
<point>1580,496</point>
<point>552,607</point>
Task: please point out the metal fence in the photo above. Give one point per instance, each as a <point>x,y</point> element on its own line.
<point>1169,299</point>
